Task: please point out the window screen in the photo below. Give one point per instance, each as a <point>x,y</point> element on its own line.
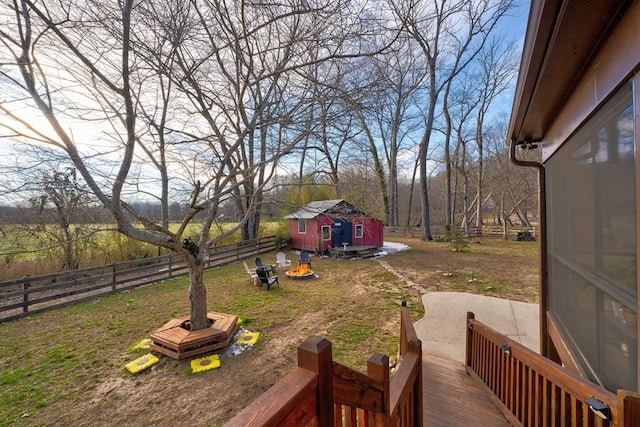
<point>591,214</point>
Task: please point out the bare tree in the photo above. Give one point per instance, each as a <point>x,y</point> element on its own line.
<point>55,208</point>
<point>514,190</point>
<point>498,67</point>
<point>398,77</point>
<point>466,101</point>
<point>450,35</point>
<point>207,92</point>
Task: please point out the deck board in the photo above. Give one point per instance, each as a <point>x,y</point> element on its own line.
<point>452,398</point>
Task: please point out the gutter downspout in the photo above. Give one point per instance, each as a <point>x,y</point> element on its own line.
<point>542,265</point>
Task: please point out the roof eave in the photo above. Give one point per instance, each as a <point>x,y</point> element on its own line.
<point>561,40</point>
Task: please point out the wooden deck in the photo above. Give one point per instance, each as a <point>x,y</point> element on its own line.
<point>357,251</point>
<point>452,398</point>
<point>174,340</point>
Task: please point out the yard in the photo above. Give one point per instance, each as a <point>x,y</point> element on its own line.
<point>66,367</point>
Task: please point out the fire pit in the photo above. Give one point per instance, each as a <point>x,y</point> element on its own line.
<point>302,271</point>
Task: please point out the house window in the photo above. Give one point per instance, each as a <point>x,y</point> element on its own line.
<point>326,232</point>
<point>591,213</point>
<point>302,226</point>
<point>359,231</point>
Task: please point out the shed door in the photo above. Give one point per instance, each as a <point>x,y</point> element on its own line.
<point>342,232</point>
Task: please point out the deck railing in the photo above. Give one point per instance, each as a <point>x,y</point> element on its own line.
<point>531,390</point>
<point>322,392</point>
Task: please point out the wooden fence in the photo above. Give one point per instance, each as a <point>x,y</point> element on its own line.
<point>531,390</point>
<point>21,297</point>
<point>487,231</point>
<point>321,392</point>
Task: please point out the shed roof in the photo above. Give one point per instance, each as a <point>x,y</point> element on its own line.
<point>327,207</point>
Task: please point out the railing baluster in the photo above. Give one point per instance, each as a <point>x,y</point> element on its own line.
<point>488,369</point>
<point>505,377</point>
<point>574,411</point>
<point>494,369</point>
<point>586,414</point>
<point>522,392</point>
<point>516,387</point>
<point>557,406</point>
<point>564,408</point>
<point>338,414</point>
<point>546,406</point>
<point>531,398</point>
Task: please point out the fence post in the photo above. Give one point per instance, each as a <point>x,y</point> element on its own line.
<point>403,334</point>
<point>170,266</point>
<point>25,295</point>
<point>628,408</point>
<point>315,355</point>
<point>469,343</point>
<point>113,278</point>
<point>378,369</point>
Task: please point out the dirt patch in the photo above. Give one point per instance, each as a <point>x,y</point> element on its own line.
<point>493,267</point>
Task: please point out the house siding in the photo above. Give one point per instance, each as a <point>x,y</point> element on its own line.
<point>312,240</point>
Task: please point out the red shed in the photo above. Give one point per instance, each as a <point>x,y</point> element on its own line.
<point>334,224</point>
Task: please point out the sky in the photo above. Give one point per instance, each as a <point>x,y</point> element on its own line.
<point>512,27</point>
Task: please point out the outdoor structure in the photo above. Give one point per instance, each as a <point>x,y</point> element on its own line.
<point>176,340</point>
<point>577,99</point>
<point>336,225</point>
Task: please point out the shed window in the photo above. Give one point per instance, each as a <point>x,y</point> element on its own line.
<point>359,231</point>
<point>591,193</point>
<point>302,226</point>
<point>326,232</point>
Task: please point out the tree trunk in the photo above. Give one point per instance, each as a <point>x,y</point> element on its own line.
<point>426,220</point>
<point>379,169</point>
<point>423,152</point>
<point>197,293</point>
<point>392,213</point>
<point>408,224</point>
<point>479,203</point>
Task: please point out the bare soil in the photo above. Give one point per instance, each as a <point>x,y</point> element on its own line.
<point>349,298</point>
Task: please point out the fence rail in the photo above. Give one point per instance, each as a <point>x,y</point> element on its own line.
<point>487,231</point>
<point>321,392</point>
<point>28,295</point>
<point>531,390</point>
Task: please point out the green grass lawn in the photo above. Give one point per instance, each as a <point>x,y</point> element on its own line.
<point>54,358</point>
<point>66,366</point>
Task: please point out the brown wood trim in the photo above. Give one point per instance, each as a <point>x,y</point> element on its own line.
<point>629,408</point>
<point>636,108</point>
<point>405,377</point>
<point>614,64</point>
<point>567,358</point>
<point>291,391</point>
